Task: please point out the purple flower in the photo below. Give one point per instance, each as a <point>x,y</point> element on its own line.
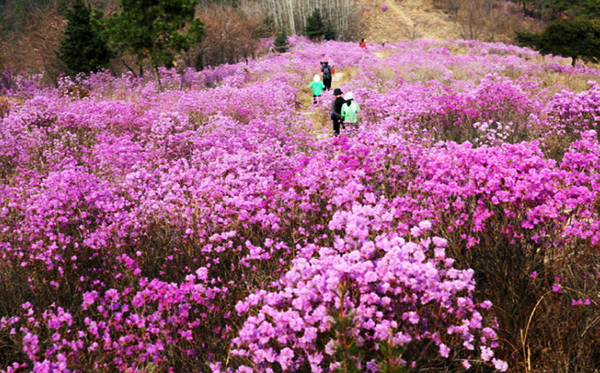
<point>444,350</point>
<point>486,353</point>
<point>500,365</point>
<point>533,274</point>
<point>89,298</point>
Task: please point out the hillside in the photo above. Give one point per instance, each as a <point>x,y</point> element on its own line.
<point>212,225</point>
<point>404,20</point>
<point>30,46</point>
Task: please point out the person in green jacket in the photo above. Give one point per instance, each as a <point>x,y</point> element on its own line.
<point>350,109</point>
<point>317,87</point>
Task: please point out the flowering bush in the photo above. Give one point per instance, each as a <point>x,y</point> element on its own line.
<point>212,225</point>
<point>380,295</point>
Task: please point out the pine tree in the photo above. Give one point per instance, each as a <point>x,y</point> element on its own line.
<point>83,49</point>
<point>151,30</point>
<point>329,31</point>
<point>575,38</point>
<point>314,25</point>
<point>281,41</point>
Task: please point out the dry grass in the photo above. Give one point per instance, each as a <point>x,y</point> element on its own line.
<point>320,119</point>
<point>344,76</point>
<point>404,20</point>
<point>4,106</point>
<point>559,81</point>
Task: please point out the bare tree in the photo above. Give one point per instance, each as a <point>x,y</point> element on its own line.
<point>228,37</point>
<point>292,14</point>
<point>415,29</point>
<point>506,19</point>
<point>342,13</point>
<point>472,18</point>
<point>33,48</point>
<point>488,20</point>
<point>448,6</point>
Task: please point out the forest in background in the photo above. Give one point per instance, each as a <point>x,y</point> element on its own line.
<point>30,30</point>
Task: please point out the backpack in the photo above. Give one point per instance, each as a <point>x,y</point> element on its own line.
<point>327,71</point>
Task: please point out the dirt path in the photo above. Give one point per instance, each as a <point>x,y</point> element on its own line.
<point>337,79</point>
<point>318,116</point>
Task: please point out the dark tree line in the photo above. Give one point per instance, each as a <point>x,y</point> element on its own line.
<point>555,9</point>
<point>75,36</point>
<point>547,10</point>
<point>577,38</point>
<point>83,49</point>
<point>151,31</point>
<point>137,35</point>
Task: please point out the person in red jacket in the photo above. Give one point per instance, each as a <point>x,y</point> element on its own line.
<point>363,43</point>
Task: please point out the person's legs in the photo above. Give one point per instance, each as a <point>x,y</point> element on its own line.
<point>336,126</point>
<point>327,83</point>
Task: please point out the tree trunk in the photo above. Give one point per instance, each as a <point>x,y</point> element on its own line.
<point>129,67</point>
<point>157,76</point>
<point>290,13</point>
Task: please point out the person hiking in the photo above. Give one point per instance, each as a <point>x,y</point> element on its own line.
<point>328,72</point>
<point>363,43</point>
<point>336,111</point>
<point>317,87</point>
<point>350,109</point>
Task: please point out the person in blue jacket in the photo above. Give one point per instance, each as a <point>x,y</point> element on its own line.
<point>328,72</point>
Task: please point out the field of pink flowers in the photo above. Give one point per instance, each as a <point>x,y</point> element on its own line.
<point>216,225</point>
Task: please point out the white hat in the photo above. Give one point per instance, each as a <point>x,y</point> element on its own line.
<point>316,78</point>
<point>349,96</point>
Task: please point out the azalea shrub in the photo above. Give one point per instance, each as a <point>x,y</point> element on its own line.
<point>214,225</point>
<point>375,305</point>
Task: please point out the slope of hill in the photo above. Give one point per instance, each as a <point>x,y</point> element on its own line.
<point>404,20</point>
<point>212,226</point>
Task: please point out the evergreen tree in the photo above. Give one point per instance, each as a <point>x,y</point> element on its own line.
<point>554,9</point>
<point>83,49</point>
<point>314,25</point>
<point>591,8</point>
<point>281,41</point>
<point>577,38</point>
<point>267,28</point>
<point>152,30</point>
<point>329,31</point>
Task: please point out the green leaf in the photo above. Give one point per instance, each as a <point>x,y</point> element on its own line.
<point>156,30</point>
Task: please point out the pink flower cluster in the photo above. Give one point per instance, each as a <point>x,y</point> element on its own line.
<point>402,293</point>
<point>215,225</point>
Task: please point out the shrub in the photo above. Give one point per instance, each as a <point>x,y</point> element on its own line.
<point>209,226</point>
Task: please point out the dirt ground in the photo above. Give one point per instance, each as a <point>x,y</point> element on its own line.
<point>404,20</point>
